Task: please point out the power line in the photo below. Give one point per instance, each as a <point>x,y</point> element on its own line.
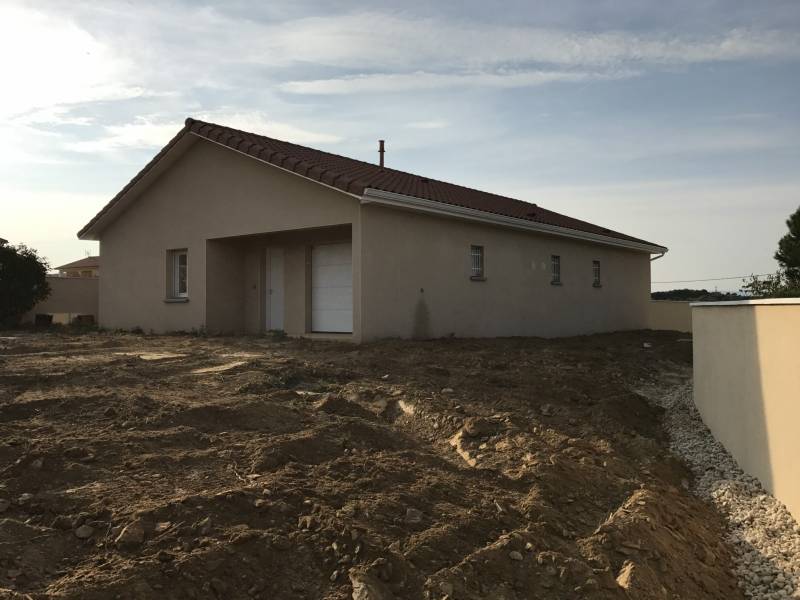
<point>714,278</point>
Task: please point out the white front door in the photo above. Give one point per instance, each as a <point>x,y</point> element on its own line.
<point>274,289</point>
<point>332,288</point>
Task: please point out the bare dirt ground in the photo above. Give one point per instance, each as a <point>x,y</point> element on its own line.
<point>137,466</point>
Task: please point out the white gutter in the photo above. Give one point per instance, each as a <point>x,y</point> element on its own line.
<point>373,196</point>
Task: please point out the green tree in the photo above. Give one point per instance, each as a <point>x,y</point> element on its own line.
<point>788,254</point>
<point>23,282</point>
<point>767,286</point>
<point>785,282</point>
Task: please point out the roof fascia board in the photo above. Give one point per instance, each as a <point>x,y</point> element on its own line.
<point>373,196</point>
<point>273,165</point>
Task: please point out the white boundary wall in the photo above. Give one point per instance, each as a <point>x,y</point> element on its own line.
<point>747,386</point>
<point>69,297</point>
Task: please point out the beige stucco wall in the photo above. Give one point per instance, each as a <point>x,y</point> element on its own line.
<point>670,315</point>
<point>207,194</point>
<point>225,275</point>
<point>416,281</point>
<point>68,295</point>
<point>747,387</point>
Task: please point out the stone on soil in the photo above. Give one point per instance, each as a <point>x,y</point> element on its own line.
<point>413,516</point>
<point>84,532</point>
<point>762,532</point>
<point>131,535</point>
<point>368,587</point>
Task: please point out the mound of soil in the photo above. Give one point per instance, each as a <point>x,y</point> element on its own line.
<point>460,469</point>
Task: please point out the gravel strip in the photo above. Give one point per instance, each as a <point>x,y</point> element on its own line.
<point>764,535</point>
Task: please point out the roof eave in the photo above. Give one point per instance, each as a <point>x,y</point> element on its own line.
<point>375,196</point>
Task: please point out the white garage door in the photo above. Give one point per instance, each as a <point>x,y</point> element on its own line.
<point>332,288</point>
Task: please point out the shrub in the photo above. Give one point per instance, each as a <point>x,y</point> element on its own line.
<point>23,282</point>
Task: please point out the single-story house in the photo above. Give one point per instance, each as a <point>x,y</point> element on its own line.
<point>84,267</point>
<point>231,231</point>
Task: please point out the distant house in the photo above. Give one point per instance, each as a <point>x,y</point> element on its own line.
<point>3,242</point>
<point>85,267</point>
<point>236,232</point>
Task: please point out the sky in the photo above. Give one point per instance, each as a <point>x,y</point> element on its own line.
<point>677,122</point>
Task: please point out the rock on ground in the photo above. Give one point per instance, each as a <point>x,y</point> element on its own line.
<point>765,536</point>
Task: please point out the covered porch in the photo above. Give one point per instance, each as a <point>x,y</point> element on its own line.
<point>303,282</point>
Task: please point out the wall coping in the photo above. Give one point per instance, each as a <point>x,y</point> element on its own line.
<point>760,302</point>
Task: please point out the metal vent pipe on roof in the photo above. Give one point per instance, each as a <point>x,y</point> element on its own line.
<point>381,150</point>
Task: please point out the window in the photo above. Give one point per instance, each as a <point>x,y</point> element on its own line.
<point>555,270</point>
<point>476,256</point>
<point>596,272</point>
<point>179,277</point>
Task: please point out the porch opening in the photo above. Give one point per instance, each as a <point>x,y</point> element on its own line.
<point>298,281</point>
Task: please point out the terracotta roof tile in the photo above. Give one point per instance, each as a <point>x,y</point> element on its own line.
<point>355,176</point>
<point>88,262</point>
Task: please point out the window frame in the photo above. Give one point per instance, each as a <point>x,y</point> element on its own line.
<point>555,269</point>
<point>175,274</point>
<point>596,274</point>
<point>477,265</point>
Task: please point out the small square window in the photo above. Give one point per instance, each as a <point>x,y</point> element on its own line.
<point>555,270</point>
<point>476,258</point>
<point>596,272</point>
<point>179,274</point>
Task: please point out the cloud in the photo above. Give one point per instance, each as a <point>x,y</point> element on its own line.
<point>743,116</point>
<point>158,46</point>
<point>52,115</point>
<point>419,54</point>
<point>144,132</point>
<point>433,124</point>
<point>27,145</point>
<point>48,61</point>
<point>258,122</point>
<point>421,80</point>
<point>374,39</point>
<point>152,132</point>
